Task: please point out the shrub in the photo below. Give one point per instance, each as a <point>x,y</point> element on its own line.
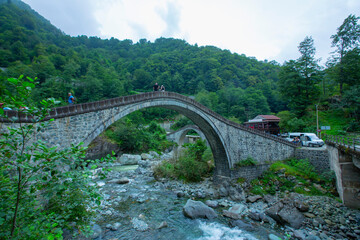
<point>189,169</point>
<point>38,199</point>
<point>257,190</point>
<point>284,176</point>
<point>133,137</point>
<point>190,166</point>
<point>247,162</point>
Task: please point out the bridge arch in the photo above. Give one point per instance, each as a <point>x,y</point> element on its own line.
<point>195,114</point>
<point>179,135</point>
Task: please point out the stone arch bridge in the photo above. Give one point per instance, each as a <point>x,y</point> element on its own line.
<point>179,136</point>
<point>229,141</point>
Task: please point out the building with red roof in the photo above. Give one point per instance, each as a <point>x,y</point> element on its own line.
<point>266,123</point>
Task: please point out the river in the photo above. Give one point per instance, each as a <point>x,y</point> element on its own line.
<point>146,209</point>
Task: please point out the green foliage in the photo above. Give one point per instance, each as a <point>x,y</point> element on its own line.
<point>189,169</point>
<point>249,161</point>
<point>235,102</point>
<point>257,190</point>
<point>182,122</point>
<point>197,149</point>
<point>233,85</point>
<point>345,40</point>
<point>295,167</point>
<point>191,166</point>
<point>240,180</point>
<point>133,136</point>
<point>298,79</point>
<point>294,176</point>
<point>96,69</point>
<point>43,189</point>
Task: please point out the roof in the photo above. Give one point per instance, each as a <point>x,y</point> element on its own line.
<point>264,118</point>
<point>268,117</point>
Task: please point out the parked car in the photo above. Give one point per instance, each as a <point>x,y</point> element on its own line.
<point>306,139</point>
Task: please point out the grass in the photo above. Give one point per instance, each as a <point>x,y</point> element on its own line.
<point>294,176</point>
<point>247,162</point>
<point>336,119</point>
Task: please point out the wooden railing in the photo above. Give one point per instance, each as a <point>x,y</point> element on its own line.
<point>345,141</point>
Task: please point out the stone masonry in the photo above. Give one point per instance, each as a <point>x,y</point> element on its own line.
<point>318,157</point>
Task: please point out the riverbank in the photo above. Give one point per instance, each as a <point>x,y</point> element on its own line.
<point>137,206</point>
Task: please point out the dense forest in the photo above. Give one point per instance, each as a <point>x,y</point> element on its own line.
<point>236,86</point>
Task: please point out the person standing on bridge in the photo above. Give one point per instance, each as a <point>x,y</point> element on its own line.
<point>156,87</point>
<point>71,99</point>
<point>162,88</point>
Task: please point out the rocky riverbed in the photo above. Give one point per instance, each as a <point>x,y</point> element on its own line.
<point>136,206</point>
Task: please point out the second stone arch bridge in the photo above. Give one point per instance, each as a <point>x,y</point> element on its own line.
<point>229,141</point>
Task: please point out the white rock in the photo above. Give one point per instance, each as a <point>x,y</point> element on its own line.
<point>129,159</point>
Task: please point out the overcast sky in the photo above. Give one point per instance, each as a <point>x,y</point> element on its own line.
<point>264,29</point>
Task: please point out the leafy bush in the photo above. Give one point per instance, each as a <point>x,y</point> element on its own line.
<point>247,162</point>
<point>295,176</point>
<point>43,190</point>
<point>182,122</point>
<point>191,166</point>
<point>134,137</point>
<point>304,168</point>
<point>189,169</point>
<point>258,190</point>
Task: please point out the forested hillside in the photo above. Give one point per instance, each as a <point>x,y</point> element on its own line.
<point>236,86</point>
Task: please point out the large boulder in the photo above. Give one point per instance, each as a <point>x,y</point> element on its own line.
<point>236,211</point>
<point>284,212</point>
<point>212,203</point>
<point>196,209</point>
<point>242,225</point>
<point>123,180</point>
<point>146,156</point>
<point>129,159</point>
<point>139,225</point>
<point>253,199</point>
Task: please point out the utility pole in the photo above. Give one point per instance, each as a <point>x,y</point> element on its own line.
<point>317,120</point>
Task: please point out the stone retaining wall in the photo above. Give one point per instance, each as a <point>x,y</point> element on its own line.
<point>249,172</point>
<point>317,157</point>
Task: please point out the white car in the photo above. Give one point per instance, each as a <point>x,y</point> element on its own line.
<point>311,140</point>
<point>307,139</point>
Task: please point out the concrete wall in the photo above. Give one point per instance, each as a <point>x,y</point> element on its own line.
<point>342,161</point>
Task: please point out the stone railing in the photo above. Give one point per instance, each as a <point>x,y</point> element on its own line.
<point>345,141</point>
<point>71,110</point>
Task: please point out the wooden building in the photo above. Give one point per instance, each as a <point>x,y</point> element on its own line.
<point>266,123</point>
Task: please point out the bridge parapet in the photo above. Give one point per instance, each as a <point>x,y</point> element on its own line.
<point>344,141</point>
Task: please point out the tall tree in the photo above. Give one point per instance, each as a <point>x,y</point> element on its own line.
<point>298,78</point>
<point>346,39</point>
<point>308,67</point>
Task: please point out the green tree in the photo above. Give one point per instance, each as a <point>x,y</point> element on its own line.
<point>43,190</point>
<point>346,39</point>
<point>308,68</point>
<point>298,79</point>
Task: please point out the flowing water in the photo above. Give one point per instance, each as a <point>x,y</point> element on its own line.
<point>143,205</point>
